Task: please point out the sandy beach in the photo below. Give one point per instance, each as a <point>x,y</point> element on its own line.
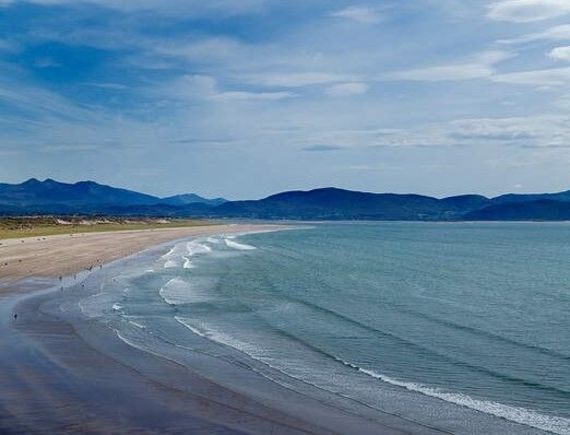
<point>60,374</point>
<point>65,255</point>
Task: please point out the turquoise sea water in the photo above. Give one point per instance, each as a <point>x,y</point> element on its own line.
<point>462,327</point>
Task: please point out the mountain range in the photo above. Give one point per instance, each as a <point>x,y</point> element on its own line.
<point>86,197</point>
<point>90,198</point>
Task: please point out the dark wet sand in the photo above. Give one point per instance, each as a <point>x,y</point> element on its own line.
<point>52,381</point>
<point>56,382</point>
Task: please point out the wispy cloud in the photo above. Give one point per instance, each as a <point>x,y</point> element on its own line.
<point>524,11</point>
<point>72,147</point>
<point>347,89</point>
<point>544,77</point>
<point>556,33</point>
<point>196,87</point>
<point>37,101</point>
<point>112,86</point>
<point>203,49</point>
<point>252,96</point>
<point>547,131</point>
<point>321,148</point>
<point>296,79</point>
<point>537,131</point>
<point>360,14</point>
<point>481,66</point>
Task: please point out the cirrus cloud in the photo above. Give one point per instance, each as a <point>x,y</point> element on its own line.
<point>360,14</point>
<point>347,89</point>
<point>542,77</point>
<point>556,33</point>
<point>480,66</point>
<point>201,87</point>
<point>525,11</point>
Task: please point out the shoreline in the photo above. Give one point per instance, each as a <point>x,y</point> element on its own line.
<point>65,255</point>
<point>73,372</point>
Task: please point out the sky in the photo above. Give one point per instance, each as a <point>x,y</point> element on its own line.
<point>245,98</point>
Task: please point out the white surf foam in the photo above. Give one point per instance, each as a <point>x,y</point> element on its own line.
<point>97,305</point>
<point>179,255</point>
<point>172,258</point>
<point>221,338</point>
<point>137,324</point>
<point>231,243</point>
<point>195,247</point>
<point>527,417</point>
<point>187,263</point>
<point>169,253</point>
<point>180,292</point>
<point>258,353</point>
<point>188,325</point>
<point>131,343</point>
<point>171,264</point>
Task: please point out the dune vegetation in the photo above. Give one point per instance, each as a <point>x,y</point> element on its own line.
<point>19,227</point>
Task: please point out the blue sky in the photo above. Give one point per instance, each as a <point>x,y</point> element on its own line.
<point>243,98</point>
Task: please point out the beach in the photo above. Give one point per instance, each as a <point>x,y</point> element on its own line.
<point>329,328</point>
<point>61,373</point>
<point>68,254</point>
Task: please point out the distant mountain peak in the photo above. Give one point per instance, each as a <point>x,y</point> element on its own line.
<point>191,198</point>
<point>51,195</point>
<point>31,181</point>
<point>34,181</point>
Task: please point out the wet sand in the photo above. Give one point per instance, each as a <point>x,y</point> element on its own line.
<point>63,376</point>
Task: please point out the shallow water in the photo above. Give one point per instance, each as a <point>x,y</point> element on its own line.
<point>462,327</point>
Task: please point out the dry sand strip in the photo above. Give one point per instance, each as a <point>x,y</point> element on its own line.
<point>64,255</point>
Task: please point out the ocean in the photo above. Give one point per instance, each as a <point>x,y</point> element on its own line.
<point>459,327</point>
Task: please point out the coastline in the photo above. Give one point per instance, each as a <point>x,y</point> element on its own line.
<point>33,257</point>
<point>67,375</point>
